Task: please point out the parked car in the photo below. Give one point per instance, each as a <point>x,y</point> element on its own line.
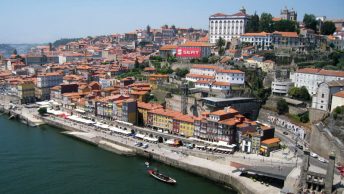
<point>322,160</point>
<point>314,155</point>
<point>300,146</point>
<point>138,144</point>
<point>145,146</point>
<point>285,133</point>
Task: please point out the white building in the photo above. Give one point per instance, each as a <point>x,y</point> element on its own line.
<point>337,100</point>
<point>216,74</point>
<point>230,76</point>
<point>49,80</point>
<point>322,99</point>
<point>261,40</point>
<point>281,87</point>
<point>227,26</point>
<point>311,78</point>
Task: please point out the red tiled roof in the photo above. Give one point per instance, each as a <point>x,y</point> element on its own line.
<point>287,34</point>
<point>339,94</point>
<point>199,66</point>
<point>200,76</point>
<point>168,47</point>
<point>229,71</point>
<point>321,72</point>
<point>271,141</point>
<point>256,34</point>
<point>195,44</point>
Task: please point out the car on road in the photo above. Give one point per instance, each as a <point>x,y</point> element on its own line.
<point>300,146</point>
<point>138,144</point>
<point>145,146</point>
<point>321,159</point>
<point>314,155</point>
<point>285,133</point>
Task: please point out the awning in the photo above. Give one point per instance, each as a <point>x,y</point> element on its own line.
<point>79,110</point>
<point>141,136</point>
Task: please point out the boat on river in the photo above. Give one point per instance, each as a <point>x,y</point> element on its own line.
<point>161,177</point>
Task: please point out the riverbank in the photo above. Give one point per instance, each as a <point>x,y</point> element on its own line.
<point>220,173</point>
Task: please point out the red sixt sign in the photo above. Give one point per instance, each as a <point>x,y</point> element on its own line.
<point>188,52</point>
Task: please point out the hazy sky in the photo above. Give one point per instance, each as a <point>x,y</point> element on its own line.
<point>38,21</point>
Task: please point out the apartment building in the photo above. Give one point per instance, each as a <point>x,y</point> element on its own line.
<point>312,77</point>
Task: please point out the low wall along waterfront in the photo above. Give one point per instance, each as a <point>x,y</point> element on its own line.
<point>216,172</point>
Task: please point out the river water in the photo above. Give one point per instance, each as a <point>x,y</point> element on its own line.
<point>42,160</point>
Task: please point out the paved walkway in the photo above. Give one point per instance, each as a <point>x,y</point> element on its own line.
<point>161,149</point>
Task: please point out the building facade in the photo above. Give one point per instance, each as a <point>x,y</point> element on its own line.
<point>280,87</point>
<point>323,97</point>
<point>311,78</point>
<point>227,26</point>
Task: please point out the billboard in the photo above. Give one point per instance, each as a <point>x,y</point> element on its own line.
<point>188,52</point>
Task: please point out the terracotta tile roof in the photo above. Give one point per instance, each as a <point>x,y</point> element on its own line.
<point>231,122</point>
<point>271,141</point>
<point>203,39</point>
<point>195,44</point>
<point>229,71</point>
<point>221,84</point>
<point>219,14</point>
<point>308,70</point>
<point>256,34</point>
<point>203,82</point>
<point>185,118</point>
<point>331,73</point>
<point>200,76</point>
<point>321,72</point>
<point>168,47</point>
<point>287,34</point>
<point>265,127</point>
<point>149,69</point>
<point>224,111</point>
<point>158,76</point>
<point>199,66</point>
<point>276,19</point>
<point>138,92</point>
<point>339,94</point>
<point>165,112</point>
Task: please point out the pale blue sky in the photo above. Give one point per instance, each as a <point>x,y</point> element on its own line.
<point>37,21</point>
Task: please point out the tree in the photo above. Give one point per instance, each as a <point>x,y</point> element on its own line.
<point>253,24</point>
<point>285,26</point>
<point>181,72</point>
<point>42,111</point>
<point>304,95</point>
<point>310,21</point>
<point>282,106</point>
<point>299,93</point>
<point>266,23</point>
<point>220,43</point>
<point>15,52</point>
<point>328,28</point>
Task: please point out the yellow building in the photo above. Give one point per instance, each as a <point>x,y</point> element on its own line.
<point>162,119</point>
<point>185,124</point>
<point>157,79</point>
<point>26,92</point>
<point>143,109</point>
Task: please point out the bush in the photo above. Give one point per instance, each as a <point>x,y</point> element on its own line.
<point>299,93</point>
<point>282,106</point>
<point>42,111</point>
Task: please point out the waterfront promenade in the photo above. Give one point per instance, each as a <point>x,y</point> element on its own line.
<point>213,170</point>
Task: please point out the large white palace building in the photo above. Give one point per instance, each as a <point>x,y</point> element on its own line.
<point>227,26</point>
